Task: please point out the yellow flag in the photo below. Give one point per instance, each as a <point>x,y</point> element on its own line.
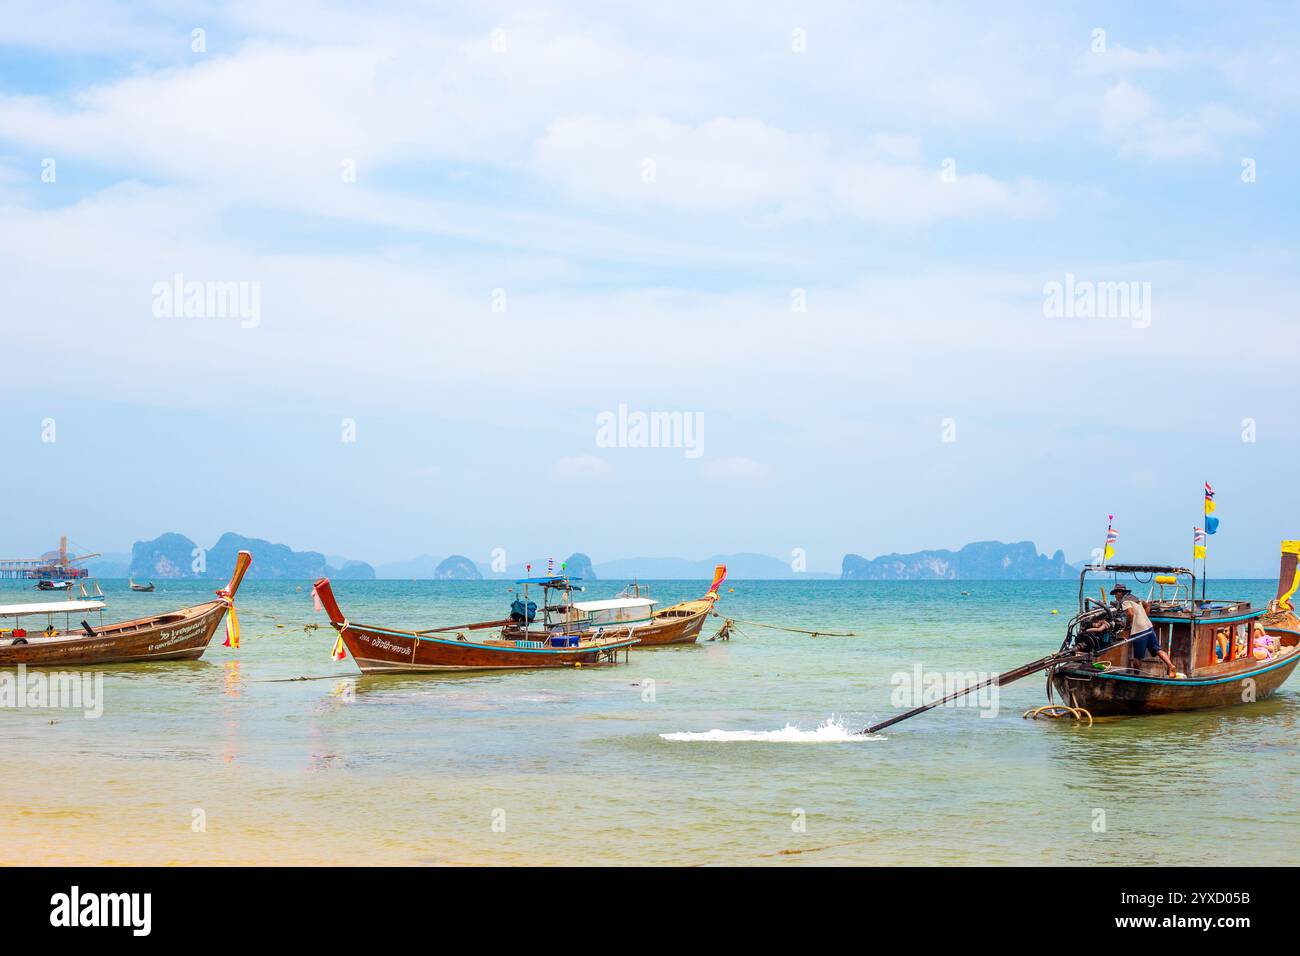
<point>1198,551</point>
<point>1110,553</point>
<point>1209,506</point>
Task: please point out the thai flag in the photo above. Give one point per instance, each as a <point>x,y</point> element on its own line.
<point>1111,536</point>
<point>1198,535</point>
<point>1209,492</point>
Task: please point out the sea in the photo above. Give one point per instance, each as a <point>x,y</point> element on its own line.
<point>736,752</point>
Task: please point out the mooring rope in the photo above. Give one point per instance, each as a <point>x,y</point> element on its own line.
<point>729,624</point>
<point>794,630</point>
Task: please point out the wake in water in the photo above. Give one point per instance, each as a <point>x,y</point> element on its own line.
<point>830,731</point>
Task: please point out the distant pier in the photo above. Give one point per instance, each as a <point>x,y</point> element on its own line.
<point>31,569</point>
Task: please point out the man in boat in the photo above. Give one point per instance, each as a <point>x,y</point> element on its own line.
<point>1140,629</point>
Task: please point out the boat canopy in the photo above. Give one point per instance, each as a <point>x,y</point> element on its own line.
<point>50,607</point>
<point>1134,569</point>
<point>589,607</point>
<point>554,579</point>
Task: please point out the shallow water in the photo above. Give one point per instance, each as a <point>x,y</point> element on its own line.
<point>739,752</point>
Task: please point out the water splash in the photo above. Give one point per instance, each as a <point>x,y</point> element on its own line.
<point>831,731</point>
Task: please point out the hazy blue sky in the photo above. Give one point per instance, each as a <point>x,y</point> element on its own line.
<point>559,209</point>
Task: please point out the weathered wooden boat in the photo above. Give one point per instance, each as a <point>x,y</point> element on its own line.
<point>177,635</point>
<point>379,649</point>
<point>139,587</point>
<point>47,585</point>
<point>632,613</point>
<point>1224,651</point>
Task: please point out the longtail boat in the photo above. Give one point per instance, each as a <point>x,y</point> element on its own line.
<point>1224,651</point>
<point>174,636</point>
<point>139,587</point>
<point>379,649</point>
<point>632,613</point>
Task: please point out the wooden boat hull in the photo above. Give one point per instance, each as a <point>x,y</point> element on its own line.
<point>666,629</point>
<point>1107,694</point>
<point>179,636</point>
<point>379,650</point>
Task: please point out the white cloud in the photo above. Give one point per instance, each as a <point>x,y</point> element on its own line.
<point>582,468</point>
<point>1130,119</point>
<point>747,165</point>
<point>1122,59</point>
<point>1123,108</point>
<point>741,470</point>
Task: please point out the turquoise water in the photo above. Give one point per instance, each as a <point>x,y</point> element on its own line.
<point>572,766</point>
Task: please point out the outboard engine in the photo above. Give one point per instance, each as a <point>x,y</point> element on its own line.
<point>520,613</point>
<point>1078,636</point>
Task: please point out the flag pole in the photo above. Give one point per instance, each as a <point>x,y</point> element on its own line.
<point>1205,515</point>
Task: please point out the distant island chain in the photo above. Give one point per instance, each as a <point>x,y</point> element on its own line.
<point>174,555</point>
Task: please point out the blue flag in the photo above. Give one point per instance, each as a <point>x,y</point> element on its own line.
<point>1211,524</point>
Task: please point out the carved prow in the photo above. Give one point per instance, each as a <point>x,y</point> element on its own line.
<point>1281,616</point>
<point>242,561</point>
<point>326,595</point>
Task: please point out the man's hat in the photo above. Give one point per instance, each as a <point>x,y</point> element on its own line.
<point>1120,589</point>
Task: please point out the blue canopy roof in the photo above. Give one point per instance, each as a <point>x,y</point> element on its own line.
<point>552,579</point>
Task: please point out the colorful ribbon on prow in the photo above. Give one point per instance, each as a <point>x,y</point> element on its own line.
<point>339,652</point>
<point>232,619</point>
<point>242,561</point>
<point>1288,580</point>
<point>719,575</point>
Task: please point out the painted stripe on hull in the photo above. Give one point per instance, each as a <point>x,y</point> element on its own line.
<point>406,652</point>
<point>1115,694</point>
<point>395,667</point>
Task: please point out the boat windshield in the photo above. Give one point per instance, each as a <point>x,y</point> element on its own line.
<point>616,611</point>
<point>1165,586</point>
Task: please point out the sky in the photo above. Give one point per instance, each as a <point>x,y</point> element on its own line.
<point>914,275</point>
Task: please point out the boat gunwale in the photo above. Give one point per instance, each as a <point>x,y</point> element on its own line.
<point>1291,658</point>
<point>604,645</point>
